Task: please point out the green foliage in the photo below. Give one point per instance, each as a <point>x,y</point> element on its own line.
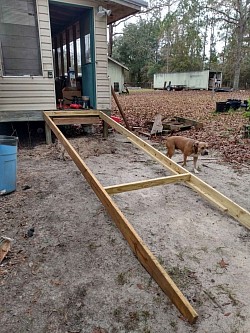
<point>183,37</point>
<point>137,48</point>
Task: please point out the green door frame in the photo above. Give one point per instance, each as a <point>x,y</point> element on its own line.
<point>88,69</point>
<point>87,38</point>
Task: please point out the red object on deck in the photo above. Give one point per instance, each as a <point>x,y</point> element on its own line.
<point>117,119</point>
<point>75,106</point>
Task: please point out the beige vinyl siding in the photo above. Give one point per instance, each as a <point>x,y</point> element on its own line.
<point>23,93</point>
<point>103,91</point>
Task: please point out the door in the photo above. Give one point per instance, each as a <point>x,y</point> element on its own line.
<point>88,56</point>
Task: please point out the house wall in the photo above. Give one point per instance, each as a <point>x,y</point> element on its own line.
<point>116,74</point>
<point>31,95</point>
<point>192,80</point>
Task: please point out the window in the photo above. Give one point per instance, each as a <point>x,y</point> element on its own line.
<point>116,87</point>
<point>87,49</point>
<point>19,38</point>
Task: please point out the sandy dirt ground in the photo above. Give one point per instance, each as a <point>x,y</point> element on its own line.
<point>78,274</point>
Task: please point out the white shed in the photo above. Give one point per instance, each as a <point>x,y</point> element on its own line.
<point>40,40</point>
<point>116,72</point>
<point>191,80</point>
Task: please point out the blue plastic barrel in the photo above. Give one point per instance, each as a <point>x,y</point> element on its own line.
<point>8,163</point>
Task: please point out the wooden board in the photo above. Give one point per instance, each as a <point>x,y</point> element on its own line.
<point>147,259</point>
<point>146,183</point>
<point>205,190</point>
<point>76,120</point>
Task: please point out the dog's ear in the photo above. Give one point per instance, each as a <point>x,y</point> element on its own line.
<point>196,147</point>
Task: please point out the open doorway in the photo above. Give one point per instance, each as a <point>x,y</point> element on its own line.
<point>72,33</point>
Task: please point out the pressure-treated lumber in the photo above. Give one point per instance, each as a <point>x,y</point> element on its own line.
<point>74,117</point>
<point>147,259</point>
<point>146,183</point>
<point>72,113</point>
<point>205,190</point>
<point>76,120</point>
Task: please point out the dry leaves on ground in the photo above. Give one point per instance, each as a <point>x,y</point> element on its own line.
<point>222,131</point>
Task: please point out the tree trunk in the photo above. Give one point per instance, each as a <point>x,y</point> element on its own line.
<point>239,55</point>
<point>240,31</point>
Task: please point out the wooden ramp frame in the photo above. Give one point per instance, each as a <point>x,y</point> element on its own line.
<point>146,258</point>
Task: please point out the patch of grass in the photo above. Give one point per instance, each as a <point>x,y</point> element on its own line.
<point>173,324</point>
<point>112,240</point>
<point>179,275</point>
<point>150,282</point>
<point>204,249</point>
<point>134,316</point>
<point>180,255</point>
<point>93,246</point>
<point>132,322</point>
<point>157,299</point>
<point>161,260</point>
<point>227,291</point>
<point>149,162</point>
<point>219,250</point>
<point>121,279</point>
<point>194,258</point>
<point>236,327</point>
<point>145,315</point>
<point>117,313</point>
<point>146,330</point>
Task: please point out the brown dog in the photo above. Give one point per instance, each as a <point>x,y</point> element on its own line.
<point>189,147</point>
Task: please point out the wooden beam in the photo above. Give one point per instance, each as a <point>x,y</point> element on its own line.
<point>147,259</point>
<point>146,183</point>
<point>76,120</point>
<point>120,108</point>
<point>205,190</point>
<point>48,135</point>
<point>72,113</point>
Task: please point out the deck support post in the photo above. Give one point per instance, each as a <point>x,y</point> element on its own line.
<point>48,134</point>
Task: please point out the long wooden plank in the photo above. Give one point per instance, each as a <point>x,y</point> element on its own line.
<point>146,183</point>
<point>207,191</point>
<point>76,120</point>
<point>72,113</point>
<point>147,259</point>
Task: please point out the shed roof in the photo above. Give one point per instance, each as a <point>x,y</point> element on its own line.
<point>118,63</point>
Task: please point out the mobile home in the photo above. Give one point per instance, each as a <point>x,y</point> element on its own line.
<point>42,41</point>
<point>190,80</point>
